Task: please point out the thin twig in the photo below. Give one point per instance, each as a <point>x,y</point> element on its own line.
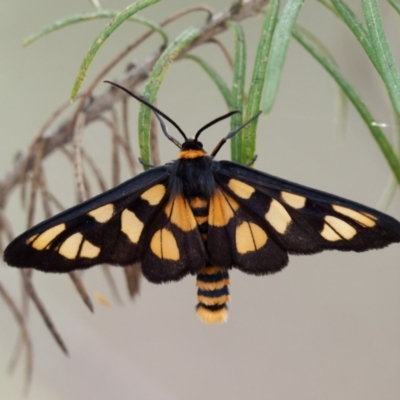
<point>98,174</point>
<point>116,139</point>
<point>46,199</point>
<point>111,283</point>
<point>43,312</point>
<point>62,134</point>
<point>154,148</point>
<point>78,168</point>
<point>224,51</point>
<point>80,287</point>
<point>35,183</point>
<point>24,333</point>
<point>133,274</point>
<point>132,162</point>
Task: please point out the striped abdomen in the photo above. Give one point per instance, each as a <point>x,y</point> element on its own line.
<point>212,281</point>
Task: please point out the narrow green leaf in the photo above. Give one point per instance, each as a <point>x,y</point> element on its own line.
<point>257,80</point>
<point>353,96</point>
<point>326,4</point>
<point>388,193</point>
<point>170,54</point>
<point>356,27</point>
<point>395,4</point>
<point>216,78</point>
<point>102,37</point>
<point>239,77</point>
<point>341,96</point>
<point>385,61</point>
<point>277,54</point>
<point>89,17</point>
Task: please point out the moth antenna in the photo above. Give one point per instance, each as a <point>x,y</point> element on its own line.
<point>231,134</point>
<point>154,108</point>
<point>214,121</point>
<point>165,130</point>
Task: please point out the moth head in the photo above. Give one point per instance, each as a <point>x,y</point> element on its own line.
<point>189,143</point>
<point>192,144</point>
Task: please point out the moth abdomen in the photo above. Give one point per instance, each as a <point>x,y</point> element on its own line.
<point>212,294</point>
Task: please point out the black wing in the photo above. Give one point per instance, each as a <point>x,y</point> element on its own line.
<point>264,218</point>
<point>105,229</point>
<point>137,221</point>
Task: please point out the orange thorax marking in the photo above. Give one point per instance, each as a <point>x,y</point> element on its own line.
<point>186,154</point>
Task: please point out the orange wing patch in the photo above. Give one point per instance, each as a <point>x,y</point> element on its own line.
<point>222,208</point>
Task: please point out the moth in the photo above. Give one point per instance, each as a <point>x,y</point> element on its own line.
<point>203,217</point>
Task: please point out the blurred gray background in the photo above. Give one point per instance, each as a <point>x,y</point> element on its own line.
<point>327,327</point>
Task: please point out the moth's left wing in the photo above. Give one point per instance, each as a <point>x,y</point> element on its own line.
<point>273,217</point>
<point>108,228</point>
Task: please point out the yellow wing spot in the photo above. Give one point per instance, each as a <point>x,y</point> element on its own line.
<point>294,200</point>
<point>198,202</point>
<point>46,237</point>
<point>329,234</point>
<point>154,195</point>
<point>164,246</point>
<point>70,247</point>
<point>180,214</point>
<point>249,237</point>
<point>212,316</point>
<point>222,209</point>
<point>363,219</point>
<point>241,189</point>
<point>32,238</point>
<point>131,225</point>
<point>278,217</point>
<point>370,216</point>
<point>342,228</point>
<point>336,229</point>
<point>89,250</point>
<point>102,214</point>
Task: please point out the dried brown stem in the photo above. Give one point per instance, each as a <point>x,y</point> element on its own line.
<point>224,51</point>
<point>111,283</point>
<point>78,167</point>
<point>24,333</point>
<point>133,274</point>
<point>133,164</point>
<point>116,166</point>
<point>29,288</point>
<point>80,287</point>
<point>62,134</point>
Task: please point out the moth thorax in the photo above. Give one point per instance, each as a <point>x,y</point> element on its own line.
<point>196,177</point>
<point>212,295</point>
